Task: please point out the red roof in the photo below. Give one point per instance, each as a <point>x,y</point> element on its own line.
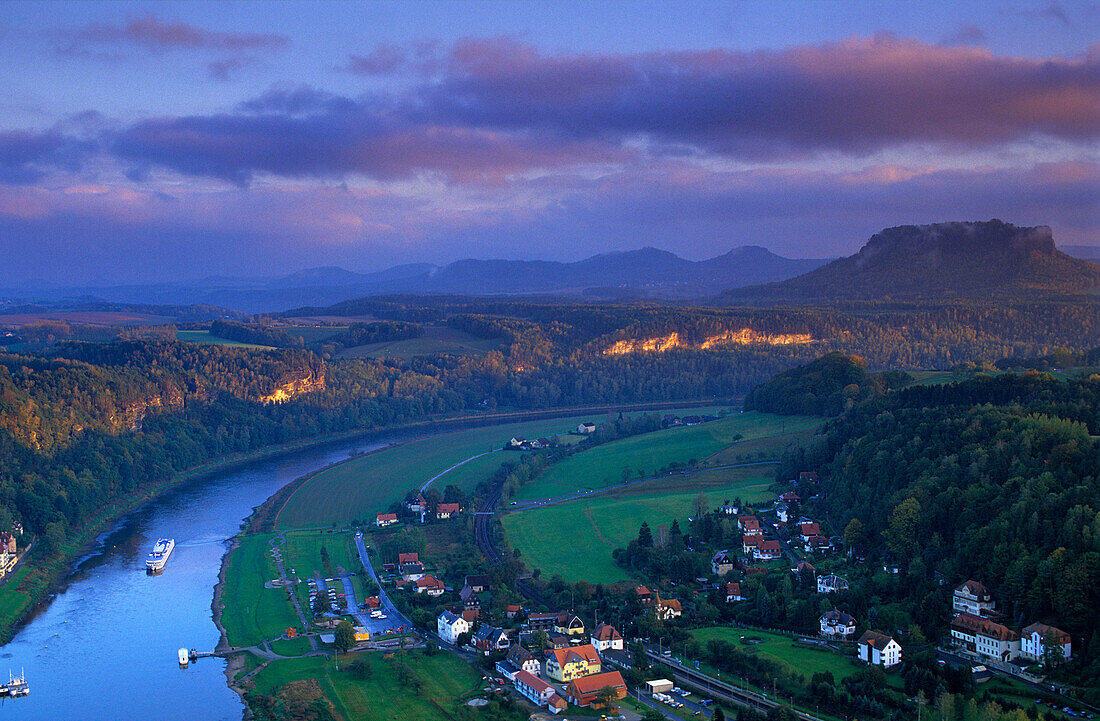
<point>429,582</point>
<point>641,590</point>
<point>408,558</point>
<point>387,516</point>
<point>769,545</point>
<point>970,623</point>
<point>448,508</point>
<point>591,684</point>
<point>584,652</point>
<point>533,682</point>
<point>810,529</point>
<point>751,540</point>
<point>606,632</point>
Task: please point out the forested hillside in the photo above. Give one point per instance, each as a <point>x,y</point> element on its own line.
<point>995,479</point>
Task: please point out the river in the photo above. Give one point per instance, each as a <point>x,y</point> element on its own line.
<point>104,648</point>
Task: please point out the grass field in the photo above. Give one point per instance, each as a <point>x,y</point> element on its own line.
<point>443,680</point>
<point>575,539</point>
<point>364,486</point>
<point>291,646</point>
<point>14,602</point>
<point>250,612</point>
<point>302,552</point>
<point>804,660</point>
<point>604,465</point>
<point>202,336</point>
<point>436,339</point>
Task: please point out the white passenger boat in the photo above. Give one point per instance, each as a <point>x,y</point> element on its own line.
<point>159,556</point>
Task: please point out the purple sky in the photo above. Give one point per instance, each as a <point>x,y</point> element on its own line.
<point>165,141</point>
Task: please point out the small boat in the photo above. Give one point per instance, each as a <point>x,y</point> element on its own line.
<point>185,657</point>
<point>16,686</point>
<point>162,549</point>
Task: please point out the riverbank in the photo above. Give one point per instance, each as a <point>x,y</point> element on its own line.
<point>23,594</point>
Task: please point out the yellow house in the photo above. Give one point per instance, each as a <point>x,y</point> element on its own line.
<point>565,664</point>
<point>569,624</point>
<point>361,634</point>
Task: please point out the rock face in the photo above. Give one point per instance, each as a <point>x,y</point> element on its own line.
<point>962,259</point>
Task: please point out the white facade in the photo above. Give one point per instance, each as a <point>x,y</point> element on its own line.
<point>971,597</point>
<point>450,627</point>
<point>879,650</point>
<point>1033,638</point>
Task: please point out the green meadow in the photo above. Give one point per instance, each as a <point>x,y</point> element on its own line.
<point>250,612</point>
<point>202,336</point>
<point>360,488</point>
<point>799,659</point>
<point>645,454</point>
<point>575,539</point>
<point>436,684</point>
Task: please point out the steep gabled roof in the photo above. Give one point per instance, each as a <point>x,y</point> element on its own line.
<point>591,684</point>
<point>535,683</point>
<point>875,639</point>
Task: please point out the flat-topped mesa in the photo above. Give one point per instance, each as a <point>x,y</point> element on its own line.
<point>941,261</point>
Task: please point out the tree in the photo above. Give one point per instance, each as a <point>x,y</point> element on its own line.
<point>540,639</point>
<point>652,714</point>
<point>1053,653</point>
<point>607,696</point>
<point>718,715</point>
<point>853,533</point>
<point>901,535</point>
<point>326,562</point>
<point>361,668</point>
<point>700,506</point>
<point>345,636</point>
<point>645,537</point>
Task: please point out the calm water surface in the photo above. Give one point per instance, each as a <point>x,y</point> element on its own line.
<point>104,649</point>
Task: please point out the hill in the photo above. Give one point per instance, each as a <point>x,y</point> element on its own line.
<point>943,260</point>
<point>647,272</point>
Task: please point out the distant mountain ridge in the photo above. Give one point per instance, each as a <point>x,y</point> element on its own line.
<point>941,260</point>
<point>647,272</point>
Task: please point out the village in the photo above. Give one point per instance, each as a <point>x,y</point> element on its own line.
<point>559,659</point>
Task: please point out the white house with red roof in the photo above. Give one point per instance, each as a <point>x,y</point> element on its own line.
<point>385,519</point>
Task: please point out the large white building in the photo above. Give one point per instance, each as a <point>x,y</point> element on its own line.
<point>984,637</point>
<point>1033,641</point>
<point>450,627</point>
<point>878,649</point>
<point>972,597</point>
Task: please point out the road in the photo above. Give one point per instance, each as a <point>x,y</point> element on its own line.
<point>718,689</point>
<point>526,505</point>
<point>394,618</point>
<point>434,478</point>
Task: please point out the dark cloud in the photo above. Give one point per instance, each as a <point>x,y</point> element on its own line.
<point>154,34</point>
<point>25,156</point>
<point>495,106</point>
<point>1055,11</point>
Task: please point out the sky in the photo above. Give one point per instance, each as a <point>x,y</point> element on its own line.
<point>149,142</point>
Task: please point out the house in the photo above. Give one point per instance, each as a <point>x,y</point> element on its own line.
<point>586,428</point>
<point>748,543</point>
<point>512,610</point>
<point>385,519</point>
<point>524,659</point>
<point>7,542</point>
<point>478,583</point>
<point>569,624</point>
<point>446,510</point>
<point>830,583</point>
<point>410,566</point>
<point>490,638</point>
<point>721,563</point>
<point>583,691</point>
<point>373,603</point>
<point>790,497</point>
<point>782,513</point>
<point>749,525</point>
<point>666,610</point>
<point>533,688</point>
<point>606,637</point>
<point>469,598</point>
<point>1035,636</point>
<point>817,543</point>
<point>733,592</point>
<point>471,615</point>
<point>558,641</point>
<point>361,634</point>
<point>430,585</point>
<point>450,627</point>
<point>643,594</point>
<point>767,549</point>
<point>985,637</point>
<point>565,664</point>
<point>803,570</point>
<point>556,704</point>
<point>728,510</point>
<point>418,505</point>
<point>507,669</point>
<point>541,621</point>
<point>808,531</point>
<point>972,597</point>
<point>878,649</point>
<point>807,477</point>
<point>837,624</point>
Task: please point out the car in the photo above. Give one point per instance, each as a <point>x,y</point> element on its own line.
<point>696,713</point>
